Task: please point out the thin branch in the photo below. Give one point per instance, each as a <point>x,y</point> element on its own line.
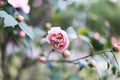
<point>72,61</point>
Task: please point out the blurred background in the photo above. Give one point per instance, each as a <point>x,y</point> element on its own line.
<point>87,22</point>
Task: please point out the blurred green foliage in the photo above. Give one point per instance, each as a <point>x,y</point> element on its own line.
<point>104,14</point>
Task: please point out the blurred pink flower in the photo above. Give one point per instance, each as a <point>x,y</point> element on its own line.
<point>42,59</point>
<point>22,4</point>
<point>116,47</point>
<point>21,34</point>
<point>113,40</point>
<point>58,38</point>
<point>32,53</point>
<point>37,3</point>
<point>96,36</point>
<point>1,3</point>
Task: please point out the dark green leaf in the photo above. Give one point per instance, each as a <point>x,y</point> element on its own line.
<point>31,2</point>
<point>114,70</point>
<point>9,21</point>
<point>114,55</point>
<point>3,14</point>
<point>26,29</point>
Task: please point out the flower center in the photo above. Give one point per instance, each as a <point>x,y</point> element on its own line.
<point>57,40</point>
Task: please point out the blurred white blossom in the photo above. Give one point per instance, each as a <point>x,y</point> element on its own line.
<point>33,53</point>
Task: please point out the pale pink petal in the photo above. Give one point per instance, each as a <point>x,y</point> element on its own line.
<point>26,8</point>
<point>20,4</point>
<point>14,3</point>
<point>55,30</point>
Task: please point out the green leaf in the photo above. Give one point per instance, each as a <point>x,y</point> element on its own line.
<point>84,38</point>
<point>71,33</point>
<point>56,76</point>
<point>114,56</point>
<point>9,21</point>
<point>27,43</point>
<point>31,2</point>
<point>20,54</point>
<point>26,29</point>
<point>108,62</point>
<point>81,64</point>
<point>3,14</point>
<point>114,69</point>
<point>87,40</point>
<point>38,32</point>
<point>43,41</point>
<point>83,31</point>
<point>49,66</point>
<point>73,76</point>
<point>47,78</point>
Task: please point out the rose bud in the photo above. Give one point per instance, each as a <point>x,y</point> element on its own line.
<point>42,59</point>
<point>58,38</point>
<point>48,25</point>
<point>20,18</point>
<point>116,47</point>
<point>66,54</point>
<point>92,63</point>
<point>21,34</point>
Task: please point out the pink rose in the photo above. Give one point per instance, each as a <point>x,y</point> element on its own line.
<point>116,47</point>
<point>57,38</point>
<point>22,4</point>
